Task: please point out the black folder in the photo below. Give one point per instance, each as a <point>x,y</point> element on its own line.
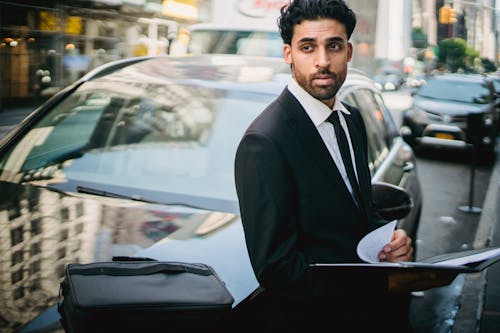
<point>425,274</point>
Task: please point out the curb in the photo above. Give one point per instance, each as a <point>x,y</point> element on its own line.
<point>470,306</point>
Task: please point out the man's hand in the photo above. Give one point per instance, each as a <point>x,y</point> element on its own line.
<point>399,249</point>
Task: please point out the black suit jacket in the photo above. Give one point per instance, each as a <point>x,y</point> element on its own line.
<point>295,207</point>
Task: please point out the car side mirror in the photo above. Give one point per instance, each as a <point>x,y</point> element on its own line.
<point>391,202</point>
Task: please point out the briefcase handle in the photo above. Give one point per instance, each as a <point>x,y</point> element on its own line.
<point>151,268</point>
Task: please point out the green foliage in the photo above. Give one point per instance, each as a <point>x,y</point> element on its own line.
<point>452,53</point>
<point>455,55</point>
<point>488,65</point>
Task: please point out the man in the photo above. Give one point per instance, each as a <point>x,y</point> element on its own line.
<point>300,202</point>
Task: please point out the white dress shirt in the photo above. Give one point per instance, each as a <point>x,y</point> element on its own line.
<point>319,113</point>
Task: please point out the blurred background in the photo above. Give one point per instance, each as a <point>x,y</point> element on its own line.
<point>48,44</point>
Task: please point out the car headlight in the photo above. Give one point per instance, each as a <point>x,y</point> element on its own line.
<point>389,86</point>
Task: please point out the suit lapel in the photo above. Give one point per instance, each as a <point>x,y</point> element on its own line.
<point>300,122</point>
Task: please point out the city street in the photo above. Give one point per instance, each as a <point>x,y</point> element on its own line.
<point>445,178</point>
<point>122,134</point>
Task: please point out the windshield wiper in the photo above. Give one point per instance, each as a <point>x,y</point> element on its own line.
<point>102,193</point>
<point>135,197</point>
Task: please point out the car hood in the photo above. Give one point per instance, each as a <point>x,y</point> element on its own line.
<point>448,107</point>
<point>44,230</point>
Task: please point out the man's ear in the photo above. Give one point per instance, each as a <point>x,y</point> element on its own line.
<point>350,48</point>
<point>287,53</point>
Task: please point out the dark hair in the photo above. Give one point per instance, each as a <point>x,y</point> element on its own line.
<point>297,11</point>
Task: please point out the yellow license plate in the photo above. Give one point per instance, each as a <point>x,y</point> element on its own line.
<point>445,136</point>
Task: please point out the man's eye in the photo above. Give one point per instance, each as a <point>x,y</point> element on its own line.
<point>334,46</point>
<point>307,48</point>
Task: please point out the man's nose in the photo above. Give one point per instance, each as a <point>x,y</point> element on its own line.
<point>322,59</point>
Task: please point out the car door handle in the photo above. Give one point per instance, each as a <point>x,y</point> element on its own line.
<point>408,166</point>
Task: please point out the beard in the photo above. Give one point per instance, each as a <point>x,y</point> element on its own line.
<point>321,92</point>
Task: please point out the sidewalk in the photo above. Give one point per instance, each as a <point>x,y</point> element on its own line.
<point>479,308</point>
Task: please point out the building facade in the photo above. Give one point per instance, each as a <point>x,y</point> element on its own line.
<point>48,44</point>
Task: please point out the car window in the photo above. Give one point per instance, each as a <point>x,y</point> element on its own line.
<point>149,136</point>
<point>376,131</point>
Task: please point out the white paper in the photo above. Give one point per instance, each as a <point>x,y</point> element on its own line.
<point>370,246</point>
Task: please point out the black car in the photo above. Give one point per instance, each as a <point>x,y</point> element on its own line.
<point>454,110</point>
<point>136,159</point>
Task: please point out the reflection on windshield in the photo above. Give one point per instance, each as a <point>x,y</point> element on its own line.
<point>48,231</point>
<point>458,91</point>
<point>161,137</point>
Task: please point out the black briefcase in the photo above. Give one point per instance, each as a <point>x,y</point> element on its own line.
<point>142,296</point>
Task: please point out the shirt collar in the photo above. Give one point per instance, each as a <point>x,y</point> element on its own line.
<point>317,111</point>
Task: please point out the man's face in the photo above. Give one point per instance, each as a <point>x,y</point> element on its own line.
<point>319,53</point>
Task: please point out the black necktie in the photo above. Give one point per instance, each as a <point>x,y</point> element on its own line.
<point>346,154</point>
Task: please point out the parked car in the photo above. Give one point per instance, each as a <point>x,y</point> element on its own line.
<point>454,110</point>
<point>136,159</point>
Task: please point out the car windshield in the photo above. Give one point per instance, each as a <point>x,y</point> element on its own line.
<point>455,90</point>
<point>255,43</point>
<point>163,137</point>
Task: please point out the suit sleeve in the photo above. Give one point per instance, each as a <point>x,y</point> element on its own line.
<point>266,196</point>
